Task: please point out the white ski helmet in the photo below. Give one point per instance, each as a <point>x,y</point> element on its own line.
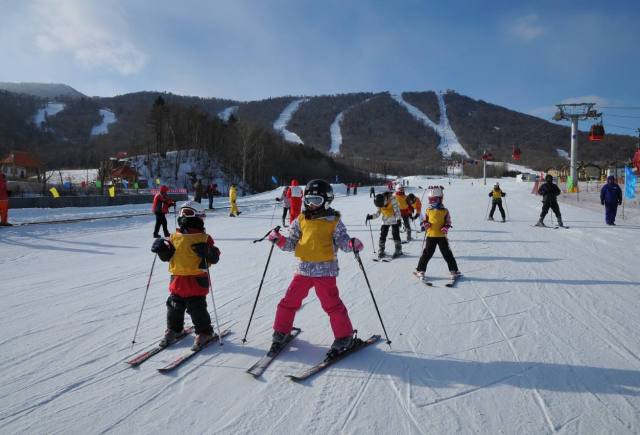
<point>435,194</point>
<point>192,209</point>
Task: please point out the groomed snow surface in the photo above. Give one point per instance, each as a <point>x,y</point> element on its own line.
<point>541,335</point>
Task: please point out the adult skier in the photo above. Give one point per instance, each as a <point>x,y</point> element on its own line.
<point>611,198</point>
<point>294,194</point>
<point>496,195</point>
<point>286,204</point>
<point>389,209</point>
<point>233,196</point>
<point>437,224</point>
<point>160,207</point>
<point>4,201</point>
<point>315,237</point>
<point>190,251</point>
<point>549,192</point>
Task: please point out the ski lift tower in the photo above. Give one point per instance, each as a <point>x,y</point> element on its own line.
<point>574,113</point>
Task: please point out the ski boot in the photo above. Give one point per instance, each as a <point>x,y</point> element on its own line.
<point>398,252</point>
<point>560,224</point>
<point>170,337</point>
<point>278,340</point>
<point>490,218</point>
<point>540,223</point>
<point>341,345</point>
<point>201,340</point>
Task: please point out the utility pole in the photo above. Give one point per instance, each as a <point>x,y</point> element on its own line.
<point>574,113</point>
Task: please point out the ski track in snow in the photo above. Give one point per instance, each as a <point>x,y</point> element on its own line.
<point>449,142</point>
<point>534,339</point>
<point>280,124</point>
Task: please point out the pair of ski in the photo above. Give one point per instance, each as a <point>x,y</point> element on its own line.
<point>452,281</point>
<point>142,357</point>
<point>261,365</point>
<point>554,227</point>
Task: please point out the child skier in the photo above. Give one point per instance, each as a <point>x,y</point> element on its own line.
<point>390,211</point>
<point>415,205</point>
<point>405,210</point>
<point>160,207</point>
<point>549,192</point>
<point>189,251</point>
<point>496,200</point>
<point>437,224</point>
<point>315,237</point>
<point>611,197</point>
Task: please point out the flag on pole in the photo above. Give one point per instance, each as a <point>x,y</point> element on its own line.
<point>98,184</point>
<point>54,192</point>
<point>274,179</point>
<point>112,191</point>
<point>569,183</point>
<point>630,181</point>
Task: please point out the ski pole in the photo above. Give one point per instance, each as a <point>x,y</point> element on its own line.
<point>507,207</point>
<point>486,213</point>
<point>213,302</point>
<point>143,300</point>
<point>373,244</point>
<point>274,213</point>
<point>276,229</point>
<point>359,260</point>
<point>175,217</point>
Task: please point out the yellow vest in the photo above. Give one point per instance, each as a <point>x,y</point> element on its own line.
<point>387,210</point>
<point>402,202</point>
<point>185,262</point>
<point>436,217</point>
<point>496,194</point>
<point>316,243</point>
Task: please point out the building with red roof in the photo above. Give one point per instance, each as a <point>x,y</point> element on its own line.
<point>20,164</point>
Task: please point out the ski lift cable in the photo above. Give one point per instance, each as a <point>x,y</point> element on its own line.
<point>623,116</point>
<point>620,107</point>
<point>620,126</point>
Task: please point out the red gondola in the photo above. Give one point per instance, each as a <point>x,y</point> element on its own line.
<point>596,133</point>
<point>515,155</point>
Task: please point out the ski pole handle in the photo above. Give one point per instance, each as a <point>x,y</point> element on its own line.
<point>276,229</point>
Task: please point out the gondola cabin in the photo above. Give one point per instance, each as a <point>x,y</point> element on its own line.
<point>515,155</point>
<point>596,133</point>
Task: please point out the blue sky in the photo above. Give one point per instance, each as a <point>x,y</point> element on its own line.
<point>526,56</point>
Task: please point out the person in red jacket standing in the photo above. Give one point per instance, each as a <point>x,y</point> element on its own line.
<point>295,199</point>
<point>190,251</point>
<point>4,201</point>
<point>160,207</point>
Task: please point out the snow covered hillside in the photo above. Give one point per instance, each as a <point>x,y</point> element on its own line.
<point>540,336</point>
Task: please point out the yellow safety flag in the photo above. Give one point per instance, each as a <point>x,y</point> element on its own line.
<point>54,192</point>
<point>112,191</point>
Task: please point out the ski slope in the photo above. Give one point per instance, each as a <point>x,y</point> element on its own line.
<point>539,337</point>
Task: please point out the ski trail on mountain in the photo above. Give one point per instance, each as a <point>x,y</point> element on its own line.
<point>227,112</point>
<point>281,123</point>
<point>449,142</point>
<point>336,132</point>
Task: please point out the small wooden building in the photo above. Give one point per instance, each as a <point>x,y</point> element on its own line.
<point>20,165</point>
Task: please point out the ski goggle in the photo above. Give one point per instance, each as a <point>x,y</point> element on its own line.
<point>189,212</point>
<point>313,200</point>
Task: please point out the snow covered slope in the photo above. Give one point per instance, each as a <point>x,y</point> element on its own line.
<point>541,335</point>
<point>280,124</point>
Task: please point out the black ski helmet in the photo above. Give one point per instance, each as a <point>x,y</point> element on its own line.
<point>379,200</point>
<point>548,178</point>
<point>316,188</point>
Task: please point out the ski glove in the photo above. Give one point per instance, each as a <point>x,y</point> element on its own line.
<point>369,217</point>
<point>445,230</point>
<point>277,238</point>
<point>163,248</point>
<point>210,253</point>
<point>425,225</point>
<point>355,245</point>
<point>602,202</point>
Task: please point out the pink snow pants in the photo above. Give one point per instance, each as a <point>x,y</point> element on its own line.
<point>330,301</point>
